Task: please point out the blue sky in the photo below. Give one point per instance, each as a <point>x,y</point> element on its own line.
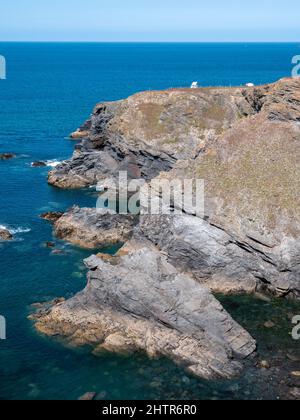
<point>144,20</point>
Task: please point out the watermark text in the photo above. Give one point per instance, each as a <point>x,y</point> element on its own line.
<point>2,68</point>
<point>2,328</point>
<point>157,197</point>
<point>296,329</point>
<point>296,68</point>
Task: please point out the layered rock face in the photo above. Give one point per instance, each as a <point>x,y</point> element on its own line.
<point>250,235</point>
<point>155,295</point>
<point>244,143</point>
<point>94,228</point>
<point>148,132</point>
<point>137,301</point>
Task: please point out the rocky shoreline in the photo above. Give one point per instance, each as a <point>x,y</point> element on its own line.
<point>141,303</point>
<point>155,295</point>
<point>94,228</point>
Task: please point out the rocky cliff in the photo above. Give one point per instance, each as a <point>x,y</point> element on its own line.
<point>155,295</point>
<point>250,235</point>
<point>148,132</point>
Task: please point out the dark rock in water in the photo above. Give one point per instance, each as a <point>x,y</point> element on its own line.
<point>269,324</point>
<point>89,396</point>
<point>38,164</point>
<point>52,216</point>
<point>5,235</point>
<point>50,244</point>
<point>7,156</point>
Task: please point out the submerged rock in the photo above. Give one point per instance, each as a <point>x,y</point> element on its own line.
<point>5,235</point>
<point>49,244</point>
<point>7,156</point>
<point>57,252</point>
<point>94,228</point>
<point>89,396</point>
<point>269,324</point>
<point>140,302</point>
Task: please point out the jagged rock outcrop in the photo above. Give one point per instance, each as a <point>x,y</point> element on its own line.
<point>137,301</point>
<point>94,228</point>
<point>250,235</point>
<point>154,296</point>
<point>52,216</point>
<point>148,132</point>
<point>244,143</point>
<point>5,235</point>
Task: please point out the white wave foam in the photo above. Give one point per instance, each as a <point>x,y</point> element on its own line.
<point>50,163</point>
<point>53,163</point>
<point>14,231</point>
<point>19,230</point>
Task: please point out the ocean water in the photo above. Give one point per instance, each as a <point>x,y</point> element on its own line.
<point>50,90</point>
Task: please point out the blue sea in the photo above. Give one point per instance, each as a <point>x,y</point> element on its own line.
<point>50,90</point>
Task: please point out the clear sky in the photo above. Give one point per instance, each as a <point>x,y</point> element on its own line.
<point>150,20</point>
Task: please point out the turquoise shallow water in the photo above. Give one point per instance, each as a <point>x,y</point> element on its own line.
<point>49,91</point>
